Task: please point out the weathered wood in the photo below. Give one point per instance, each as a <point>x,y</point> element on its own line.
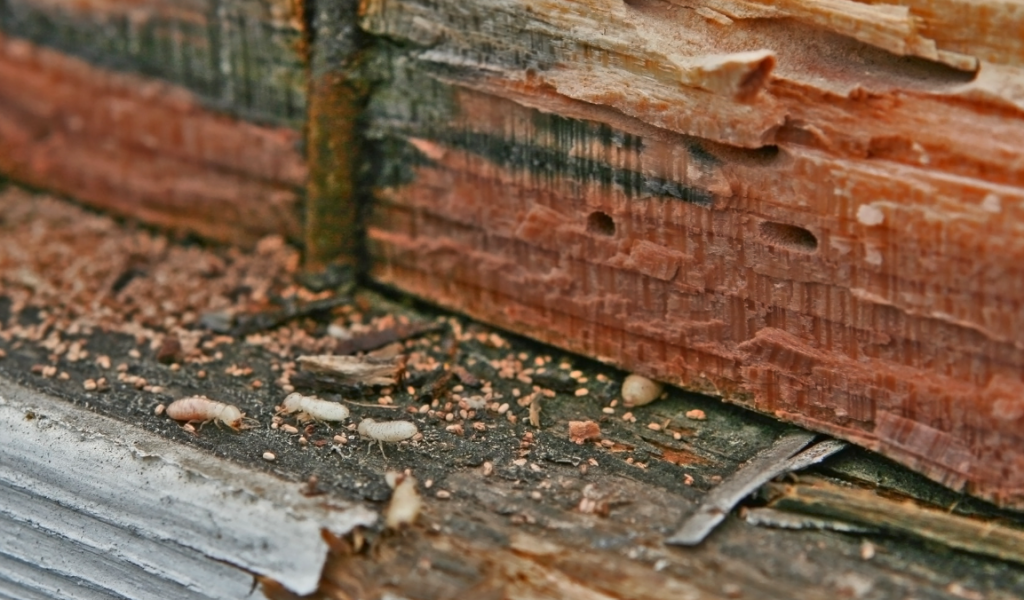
<point>144,148</point>
<point>906,517</point>
<point>776,208</point>
<point>337,97</point>
<point>243,57</point>
<point>511,510</point>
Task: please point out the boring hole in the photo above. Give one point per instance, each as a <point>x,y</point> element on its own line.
<point>600,223</point>
<point>789,236</point>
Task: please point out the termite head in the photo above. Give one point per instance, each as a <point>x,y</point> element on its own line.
<point>292,403</point>
<point>235,419</point>
<point>243,422</point>
<point>363,425</point>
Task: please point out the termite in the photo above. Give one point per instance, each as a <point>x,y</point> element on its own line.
<point>387,431</point>
<point>199,409</point>
<point>313,408</point>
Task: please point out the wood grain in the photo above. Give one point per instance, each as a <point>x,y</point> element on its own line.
<point>145,149</point>
<point>242,57</point>
<point>814,212</point>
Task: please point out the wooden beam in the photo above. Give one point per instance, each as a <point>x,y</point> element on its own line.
<point>144,149</point>
<point>836,242</point>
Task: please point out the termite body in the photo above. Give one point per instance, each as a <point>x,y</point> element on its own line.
<point>198,409</point>
<point>313,408</point>
<point>387,431</point>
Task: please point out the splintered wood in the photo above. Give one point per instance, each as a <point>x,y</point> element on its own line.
<point>357,370</point>
<point>813,209</point>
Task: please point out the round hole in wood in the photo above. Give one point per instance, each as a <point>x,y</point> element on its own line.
<point>600,223</point>
<point>790,237</point>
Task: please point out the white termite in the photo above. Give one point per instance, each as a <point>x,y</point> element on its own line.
<point>387,431</point>
<point>202,410</point>
<point>313,407</point>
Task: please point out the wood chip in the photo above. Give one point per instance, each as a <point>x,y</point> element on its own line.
<point>581,431</point>
<point>364,370</point>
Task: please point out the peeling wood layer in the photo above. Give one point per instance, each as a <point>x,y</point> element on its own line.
<point>243,57</point>
<point>840,247</point>
<point>144,148</point>
<point>113,511</point>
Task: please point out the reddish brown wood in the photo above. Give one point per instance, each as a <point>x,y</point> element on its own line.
<point>144,149</point>
<point>841,249</point>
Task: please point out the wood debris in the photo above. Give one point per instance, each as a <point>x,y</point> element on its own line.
<point>372,340</point>
<point>581,431</point>
<point>821,498</point>
<point>782,457</point>
<point>355,370</point>
<point>246,324</point>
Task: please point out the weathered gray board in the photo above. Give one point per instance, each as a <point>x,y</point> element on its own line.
<point>93,508</point>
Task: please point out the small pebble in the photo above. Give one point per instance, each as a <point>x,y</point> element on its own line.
<point>582,392</point>
<point>654,427</point>
<point>289,429</point>
<point>443,494</point>
<point>269,456</point>
<point>488,468</point>
<point>696,414</point>
<point>159,410</point>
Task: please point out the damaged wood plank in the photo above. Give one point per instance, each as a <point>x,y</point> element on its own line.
<point>144,149</point>
<point>135,492</point>
<point>818,249</point>
<point>866,507</point>
<point>246,58</point>
<point>508,511</point>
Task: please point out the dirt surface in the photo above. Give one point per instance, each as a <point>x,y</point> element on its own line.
<point>83,297</point>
